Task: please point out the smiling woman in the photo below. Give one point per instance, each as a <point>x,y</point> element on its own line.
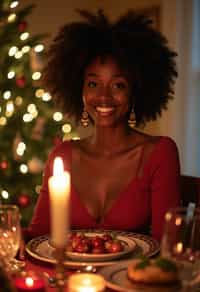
<point>116,76</point>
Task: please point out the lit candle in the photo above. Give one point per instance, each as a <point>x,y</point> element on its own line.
<point>59,190</point>
<point>85,282</point>
<point>30,283</point>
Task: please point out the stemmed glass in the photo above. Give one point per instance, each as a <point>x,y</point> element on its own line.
<point>181,242</point>
<point>10,236</point>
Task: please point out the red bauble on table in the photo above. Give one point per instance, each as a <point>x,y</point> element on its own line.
<point>23,200</point>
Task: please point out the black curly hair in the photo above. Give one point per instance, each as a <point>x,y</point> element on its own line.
<point>137,47</point>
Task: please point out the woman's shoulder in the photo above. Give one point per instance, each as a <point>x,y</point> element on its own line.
<point>157,143</point>
<point>162,148</point>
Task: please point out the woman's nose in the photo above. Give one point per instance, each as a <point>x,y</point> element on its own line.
<point>104,92</point>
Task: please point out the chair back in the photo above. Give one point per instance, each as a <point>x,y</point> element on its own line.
<point>190,189</point>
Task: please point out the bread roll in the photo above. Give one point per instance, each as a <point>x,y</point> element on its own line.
<point>155,271</point>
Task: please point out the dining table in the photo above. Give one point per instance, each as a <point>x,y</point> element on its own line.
<point>39,260</point>
<point>48,272</point>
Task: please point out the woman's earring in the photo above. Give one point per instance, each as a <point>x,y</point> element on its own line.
<point>84,119</point>
<point>132,119</point>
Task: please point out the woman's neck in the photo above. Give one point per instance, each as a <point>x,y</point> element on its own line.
<point>109,140</point>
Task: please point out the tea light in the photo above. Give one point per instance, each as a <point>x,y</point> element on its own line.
<point>59,190</point>
<point>30,282</point>
<point>86,282</point>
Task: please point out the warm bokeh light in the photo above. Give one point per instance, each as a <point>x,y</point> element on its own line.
<point>24,36</point>
<point>39,48</point>
<point>57,116</point>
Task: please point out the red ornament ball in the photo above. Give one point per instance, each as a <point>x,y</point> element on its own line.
<point>22,26</point>
<point>23,200</point>
<point>21,82</point>
<point>4,164</point>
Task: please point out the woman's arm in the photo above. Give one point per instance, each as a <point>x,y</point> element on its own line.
<point>165,184</point>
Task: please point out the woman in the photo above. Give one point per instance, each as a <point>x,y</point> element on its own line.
<point>115,76</point>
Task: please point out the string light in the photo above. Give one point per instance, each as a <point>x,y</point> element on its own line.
<point>46,96</point>
<point>39,48</point>
<point>12,17</point>
<point>57,116</point>
<point>36,75</point>
<point>18,100</point>
<point>9,108</point>
<point>66,128</point>
<point>7,94</point>
<point>12,51</point>
<point>14,4</point>
<point>32,110</point>
<point>3,121</point>
<point>26,49</point>
<point>18,55</point>
<point>23,168</point>
<point>24,36</point>
<point>27,118</point>
<point>39,92</point>
<point>11,74</point>
<point>21,147</point>
<point>5,194</point>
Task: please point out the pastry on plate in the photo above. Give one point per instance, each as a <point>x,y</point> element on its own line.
<point>155,271</point>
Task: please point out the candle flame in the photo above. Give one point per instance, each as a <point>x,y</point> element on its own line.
<point>58,167</point>
<point>29,282</point>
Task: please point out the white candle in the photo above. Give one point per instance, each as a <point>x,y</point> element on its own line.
<point>59,190</point>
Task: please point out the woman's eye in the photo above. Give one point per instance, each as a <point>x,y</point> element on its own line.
<point>92,84</point>
<point>119,85</point>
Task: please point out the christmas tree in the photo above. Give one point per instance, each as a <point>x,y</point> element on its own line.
<point>29,124</point>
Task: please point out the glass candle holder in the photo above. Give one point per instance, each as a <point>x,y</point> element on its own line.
<point>30,281</point>
<point>86,282</point>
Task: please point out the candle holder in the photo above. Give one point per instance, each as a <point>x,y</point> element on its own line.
<point>30,281</point>
<point>60,279</point>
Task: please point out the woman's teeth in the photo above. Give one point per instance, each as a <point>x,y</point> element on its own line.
<point>104,109</point>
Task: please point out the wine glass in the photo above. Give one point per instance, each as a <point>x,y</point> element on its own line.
<point>181,242</point>
<point>10,236</point>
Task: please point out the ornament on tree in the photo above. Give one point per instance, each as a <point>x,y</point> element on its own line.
<point>20,81</point>
<point>22,26</point>
<point>23,200</point>
<point>4,164</point>
<point>35,165</point>
<point>38,129</point>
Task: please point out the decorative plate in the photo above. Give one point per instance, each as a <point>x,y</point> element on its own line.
<point>135,244</point>
<point>128,246</point>
<point>116,279</point>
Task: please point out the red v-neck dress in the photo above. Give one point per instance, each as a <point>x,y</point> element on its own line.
<point>141,204</point>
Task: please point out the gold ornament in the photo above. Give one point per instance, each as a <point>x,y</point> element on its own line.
<point>84,119</point>
<point>132,119</point>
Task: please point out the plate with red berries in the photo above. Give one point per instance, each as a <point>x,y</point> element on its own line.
<point>98,246</point>
<point>95,247</point>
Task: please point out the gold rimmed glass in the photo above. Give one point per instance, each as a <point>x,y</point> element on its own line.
<point>181,242</point>
<point>10,236</point>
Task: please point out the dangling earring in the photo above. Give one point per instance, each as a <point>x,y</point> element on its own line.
<point>132,119</point>
<point>84,119</point>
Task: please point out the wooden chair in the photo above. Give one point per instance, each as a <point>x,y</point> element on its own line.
<point>190,189</point>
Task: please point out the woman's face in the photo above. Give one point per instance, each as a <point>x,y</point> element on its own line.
<point>106,92</point>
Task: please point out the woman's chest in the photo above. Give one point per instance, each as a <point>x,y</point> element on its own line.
<point>100,182</point>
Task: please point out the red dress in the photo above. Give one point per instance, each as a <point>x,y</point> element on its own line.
<point>142,203</point>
